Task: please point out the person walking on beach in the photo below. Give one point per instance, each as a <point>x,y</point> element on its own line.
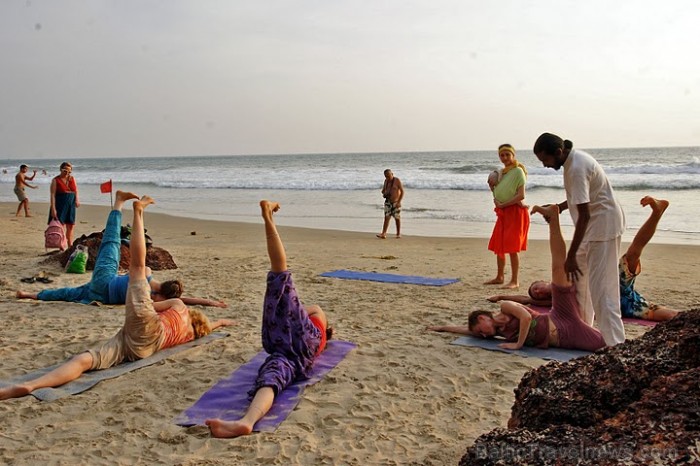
<point>148,327</point>
<point>21,179</point>
<point>293,335</point>
<point>64,199</point>
<point>632,304</point>
<point>512,217</point>
<point>106,286</point>
<point>521,326</point>
<point>393,192</point>
<point>599,222</point>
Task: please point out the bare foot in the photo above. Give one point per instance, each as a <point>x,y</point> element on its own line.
<point>658,206</point>
<point>381,236</point>
<point>511,286</point>
<point>547,211</point>
<point>25,295</point>
<point>144,202</point>
<point>28,215</point>
<point>398,236</point>
<point>121,197</point>
<point>269,207</point>
<point>14,391</point>
<point>495,281</point>
<point>228,429</point>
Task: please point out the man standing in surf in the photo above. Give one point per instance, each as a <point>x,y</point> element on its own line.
<point>592,260</point>
<point>392,191</point>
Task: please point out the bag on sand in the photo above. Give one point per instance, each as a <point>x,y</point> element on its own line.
<point>55,236</point>
<point>77,260</point>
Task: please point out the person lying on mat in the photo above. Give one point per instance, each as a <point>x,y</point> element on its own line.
<point>293,334</point>
<point>632,304</point>
<point>520,325</point>
<point>148,327</point>
<point>106,286</point>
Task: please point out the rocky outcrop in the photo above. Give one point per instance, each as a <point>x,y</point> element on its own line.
<point>156,258</point>
<point>636,403</point>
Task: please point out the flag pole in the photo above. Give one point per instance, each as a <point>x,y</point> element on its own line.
<point>111,203</point>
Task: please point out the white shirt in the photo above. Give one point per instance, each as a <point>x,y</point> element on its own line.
<point>586,182</point>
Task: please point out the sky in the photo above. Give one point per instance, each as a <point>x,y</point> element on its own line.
<point>226,77</point>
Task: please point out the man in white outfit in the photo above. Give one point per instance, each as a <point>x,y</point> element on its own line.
<point>592,260</point>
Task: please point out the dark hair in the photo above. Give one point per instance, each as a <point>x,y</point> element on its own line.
<point>549,143</point>
<point>65,164</point>
<point>329,332</point>
<point>171,289</point>
<point>388,170</point>
<point>23,166</point>
<point>474,317</point>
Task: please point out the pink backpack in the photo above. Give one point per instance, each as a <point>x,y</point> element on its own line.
<point>55,236</point>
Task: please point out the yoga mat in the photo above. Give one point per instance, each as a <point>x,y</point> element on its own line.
<point>228,398</point>
<point>389,278</point>
<point>555,354</point>
<point>626,320</point>
<point>92,378</point>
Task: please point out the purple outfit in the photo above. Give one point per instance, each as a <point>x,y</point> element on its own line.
<point>574,333</point>
<point>288,335</point>
<point>537,334</point>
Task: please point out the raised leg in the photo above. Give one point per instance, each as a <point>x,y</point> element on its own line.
<point>137,244</point>
<point>107,262</point>
<point>646,231</point>
<point>557,245</point>
<point>275,248</point>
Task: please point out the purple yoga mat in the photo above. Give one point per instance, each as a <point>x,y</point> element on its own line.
<point>228,398</point>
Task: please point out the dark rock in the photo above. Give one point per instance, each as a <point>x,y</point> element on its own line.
<point>156,258</point>
<point>636,403</point>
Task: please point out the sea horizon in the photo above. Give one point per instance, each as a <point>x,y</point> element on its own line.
<point>446,191</point>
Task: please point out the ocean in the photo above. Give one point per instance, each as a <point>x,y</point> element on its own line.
<point>446,192</point>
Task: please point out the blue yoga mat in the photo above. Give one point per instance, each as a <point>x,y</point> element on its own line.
<point>389,278</point>
<point>92,378</point>
<point>555,354</point>
<point>228,398</point>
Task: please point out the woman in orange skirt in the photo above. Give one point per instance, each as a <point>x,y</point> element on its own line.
<point>512,217</point>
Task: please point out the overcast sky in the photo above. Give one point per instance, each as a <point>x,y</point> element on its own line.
<point>175,77</point>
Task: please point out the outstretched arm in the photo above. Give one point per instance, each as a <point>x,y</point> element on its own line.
<point>203,302</point>
<point>222,323</point>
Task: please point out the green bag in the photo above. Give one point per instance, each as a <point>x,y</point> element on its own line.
<point>77,261</point>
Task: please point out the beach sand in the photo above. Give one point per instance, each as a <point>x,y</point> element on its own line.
<point>404,396</point>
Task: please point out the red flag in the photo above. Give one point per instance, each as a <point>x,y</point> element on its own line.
<point>106,187</point>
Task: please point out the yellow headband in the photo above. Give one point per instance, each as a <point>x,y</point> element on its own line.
<point>506,149</point>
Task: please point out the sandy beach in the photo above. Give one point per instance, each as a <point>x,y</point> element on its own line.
<point>404,396</point>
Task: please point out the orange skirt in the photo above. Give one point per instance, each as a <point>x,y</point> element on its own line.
<point>510,232</point>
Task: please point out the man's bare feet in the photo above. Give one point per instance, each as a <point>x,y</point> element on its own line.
<point>269,207</point>
<point>144,202</point>
<point>398,236</point>
<point>228,429</point>
<point>14,391</point>
<point>381,236</point>
<point>25,295</point>
<point>495,281</point>
<point>122,196</point>
<point>658,206</point>
<point>511,286</point>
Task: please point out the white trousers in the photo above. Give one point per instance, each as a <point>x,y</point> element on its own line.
<point>598,290</point>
